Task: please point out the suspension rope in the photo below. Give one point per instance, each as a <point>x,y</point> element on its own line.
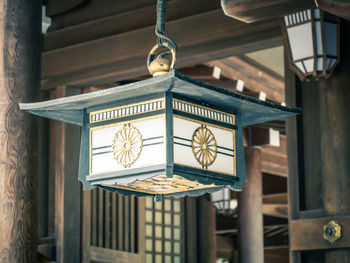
<point>160,25</point>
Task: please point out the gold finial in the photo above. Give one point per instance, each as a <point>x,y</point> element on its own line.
<point>159,65</point>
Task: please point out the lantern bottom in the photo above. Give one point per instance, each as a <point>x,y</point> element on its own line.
<point>162,185</point>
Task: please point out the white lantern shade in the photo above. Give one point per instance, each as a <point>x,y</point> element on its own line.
<point>312,39</point>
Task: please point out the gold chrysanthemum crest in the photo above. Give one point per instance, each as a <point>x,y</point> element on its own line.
<point>204,147</point>
<point>127,145</point>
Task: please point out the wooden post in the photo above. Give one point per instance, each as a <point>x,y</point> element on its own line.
<point>335,141</point>
<point>68,187</point>
<point>206,230</point>
<point>250,218</point>
<point>191,230</point>
<point>20,63</point>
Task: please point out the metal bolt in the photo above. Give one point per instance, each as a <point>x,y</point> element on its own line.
<point>332,231</point>
<point>329,231</point>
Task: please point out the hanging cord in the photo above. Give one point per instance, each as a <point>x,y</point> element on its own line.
<point>158,62</point>
<point>160,26</point>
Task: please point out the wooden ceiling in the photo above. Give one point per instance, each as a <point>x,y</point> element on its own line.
<point>99,41</point>
<point>250,11</point>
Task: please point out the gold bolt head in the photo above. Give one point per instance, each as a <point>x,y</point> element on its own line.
<point>332,231</point>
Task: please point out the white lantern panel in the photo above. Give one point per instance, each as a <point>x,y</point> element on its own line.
<point>330,31</point>
<point>319,65</point>
<point>330,63</point>
<point>225,141</point>
<point>318,32</point>
<point>300,66</point>
<point>300,40</point>
<point>222,199</point>
<point>309,65</point>
<point>317,13</point>
<point>151,152</point>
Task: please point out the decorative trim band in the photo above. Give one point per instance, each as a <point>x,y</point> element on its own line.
<point>127,110</point>
<point>203,111</point>
<point>298,18</point>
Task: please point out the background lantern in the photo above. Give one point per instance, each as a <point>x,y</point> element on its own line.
<point>312,42</point>
<point>224,201</point>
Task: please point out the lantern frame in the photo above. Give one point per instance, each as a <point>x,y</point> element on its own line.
<point>312,16</point>
<point>170,86</point>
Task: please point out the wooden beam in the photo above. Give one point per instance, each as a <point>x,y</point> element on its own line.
<point>230,222</point>
<point>276,254</point>
<point>200,72</point>
<point>274,159</point>
<point>307,234</point>
<point>122,56</point>
<point>57,7</point>
<point>337,7</point>
<point>20,27</point>
<point>94,9</point>
<point>250,11</point>
<point>85,24</point>
<point>255,79</point>
<point>274,163</point>
<point>278,210</point>
<point>276,199</point>
<point>100,254</point>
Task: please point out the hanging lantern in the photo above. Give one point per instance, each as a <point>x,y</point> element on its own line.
<point>166,136</point>
<point>312,42</point>
<point>223,201</point>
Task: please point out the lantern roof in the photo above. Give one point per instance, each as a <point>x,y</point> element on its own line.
<point>252,110</point>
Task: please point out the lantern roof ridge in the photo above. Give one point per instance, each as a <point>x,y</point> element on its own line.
<point>71,109</point>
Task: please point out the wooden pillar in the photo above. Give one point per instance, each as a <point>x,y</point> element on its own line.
<point>250,218</point>
<point>335,140</point>
<point>67,187</point>
<point>206,230</point>
<point>319,160</point>
<point>20,63</point>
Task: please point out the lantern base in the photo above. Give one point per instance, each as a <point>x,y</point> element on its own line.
<point>163,185</point>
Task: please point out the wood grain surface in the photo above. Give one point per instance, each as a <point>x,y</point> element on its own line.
<point>250,216</point>
<point>20,28</point>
